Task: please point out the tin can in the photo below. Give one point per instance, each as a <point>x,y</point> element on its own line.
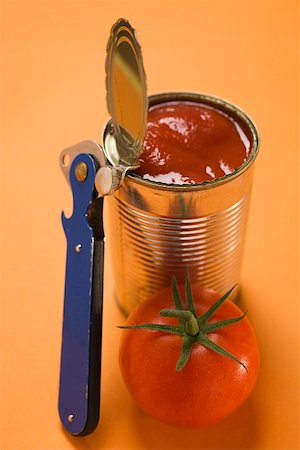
<point>156,231</point>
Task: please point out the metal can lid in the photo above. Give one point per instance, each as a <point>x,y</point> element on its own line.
<point>126,96</point>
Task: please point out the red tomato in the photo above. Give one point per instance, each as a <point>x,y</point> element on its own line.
<point>210,386</point>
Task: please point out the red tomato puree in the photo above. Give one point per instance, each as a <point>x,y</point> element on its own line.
<point>188,143</point>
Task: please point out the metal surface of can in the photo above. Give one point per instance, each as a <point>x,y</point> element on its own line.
<point>156,231</point>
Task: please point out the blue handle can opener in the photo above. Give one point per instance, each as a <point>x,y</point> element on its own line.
<point>93,173</point>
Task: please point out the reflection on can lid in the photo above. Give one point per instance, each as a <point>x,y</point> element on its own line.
<point>126,96</point>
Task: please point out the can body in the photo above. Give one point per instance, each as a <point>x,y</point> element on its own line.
<point>158,231</point>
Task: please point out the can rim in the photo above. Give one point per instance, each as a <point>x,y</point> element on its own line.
<point>221,104</point>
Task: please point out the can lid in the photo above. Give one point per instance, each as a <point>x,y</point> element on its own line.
<point>126,96</point>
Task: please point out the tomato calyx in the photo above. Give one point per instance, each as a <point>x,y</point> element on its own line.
<point>192,328</point>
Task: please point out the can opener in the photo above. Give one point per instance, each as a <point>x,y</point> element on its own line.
<point>94,172</point>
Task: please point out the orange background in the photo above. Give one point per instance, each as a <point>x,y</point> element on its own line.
<point>53,95</point>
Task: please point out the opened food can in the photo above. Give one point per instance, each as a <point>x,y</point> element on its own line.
<point>156,231</point>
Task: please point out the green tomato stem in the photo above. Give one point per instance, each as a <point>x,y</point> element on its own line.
<point>191,324</point>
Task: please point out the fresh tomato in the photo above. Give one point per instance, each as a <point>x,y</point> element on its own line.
<point>177,376</point>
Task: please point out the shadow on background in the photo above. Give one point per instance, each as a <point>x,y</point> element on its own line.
<point>238,431</point>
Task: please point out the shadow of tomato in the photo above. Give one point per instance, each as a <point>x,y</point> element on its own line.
<point>238,431</point>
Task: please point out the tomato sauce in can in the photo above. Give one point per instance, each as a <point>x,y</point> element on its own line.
<point>179,210</point>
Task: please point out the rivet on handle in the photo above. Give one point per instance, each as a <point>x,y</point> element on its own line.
<point>81,171</point>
